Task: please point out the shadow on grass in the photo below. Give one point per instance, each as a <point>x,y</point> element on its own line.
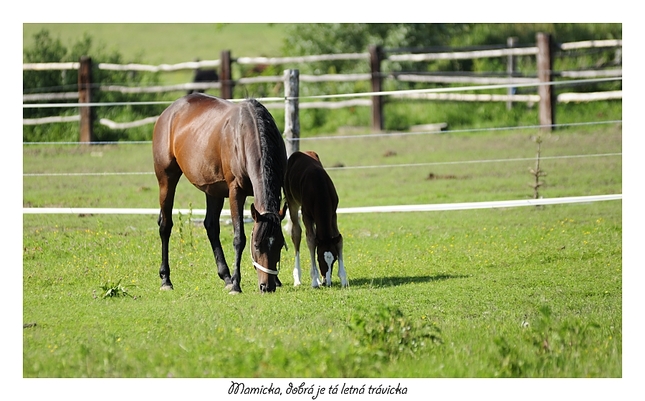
<point>396,281</point>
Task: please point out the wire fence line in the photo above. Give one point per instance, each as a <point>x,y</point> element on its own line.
<point>367,136</point>
<point>350,210</point>
<point>363,209</point>
<point>401,165</point>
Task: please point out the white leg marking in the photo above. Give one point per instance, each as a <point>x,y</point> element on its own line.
<point>342,274</point>
<point>296,270</point>
<point>315,277</point>
<point>329,259</point>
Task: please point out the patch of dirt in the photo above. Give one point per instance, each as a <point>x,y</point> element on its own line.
<point>433,176</point>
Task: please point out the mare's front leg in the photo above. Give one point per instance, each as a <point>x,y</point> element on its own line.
<point>212,226</point>
<point>236,200</point>
<point>311,243</point>
<point>167,185</point>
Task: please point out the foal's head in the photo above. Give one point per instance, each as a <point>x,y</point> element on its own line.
<point>267,241</point>
<point>327,252</point>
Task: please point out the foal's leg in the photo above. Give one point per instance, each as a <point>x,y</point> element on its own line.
<point>296,237</point>
<point>211,223</point>
<point>342,273</point>
<point>236,201</point>
<point>167,186</point>
<point>311,243</point>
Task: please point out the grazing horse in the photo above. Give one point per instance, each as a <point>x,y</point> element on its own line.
<point>229,150</point>
<point>203,76</point>
<point>307,186</point>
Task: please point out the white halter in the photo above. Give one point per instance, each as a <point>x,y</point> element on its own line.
<point>259,266</point>
<point>262,268</point>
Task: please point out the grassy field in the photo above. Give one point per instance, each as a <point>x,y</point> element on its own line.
<point>413,169</point>
<point>501,293</point>
<point>521,292</point>
<point>170,43</point>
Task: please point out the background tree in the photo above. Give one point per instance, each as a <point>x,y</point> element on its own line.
<point>48,49</point>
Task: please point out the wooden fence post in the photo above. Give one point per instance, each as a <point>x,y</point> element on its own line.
<point>86,134</point>
<point>226,81</point>
<point>510,68</point>
<point>545,76</point>
<point>377,101</point>
<point>291,111</point>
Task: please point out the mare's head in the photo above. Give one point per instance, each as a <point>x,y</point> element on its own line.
<point>327,254</point>
<point>267,241</point>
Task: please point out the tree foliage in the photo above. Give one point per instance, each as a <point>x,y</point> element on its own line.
<point>44,49</point>
<point>311,39</point>
<point>308,39</point>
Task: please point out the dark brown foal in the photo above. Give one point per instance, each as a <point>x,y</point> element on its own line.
<point>309,188</point>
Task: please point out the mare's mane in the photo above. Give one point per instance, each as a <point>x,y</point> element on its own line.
<point>273,160</point>
<point>271,154</point>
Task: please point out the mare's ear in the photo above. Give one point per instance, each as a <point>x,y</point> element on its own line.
<point>283,213</point>
<point>254,212</point>
<point>336,240</point>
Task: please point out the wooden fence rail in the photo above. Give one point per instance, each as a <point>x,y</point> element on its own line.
<point>376,56</point>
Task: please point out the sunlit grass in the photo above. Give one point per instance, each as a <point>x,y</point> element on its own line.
<point>473,278</point>
<point>472,293</point>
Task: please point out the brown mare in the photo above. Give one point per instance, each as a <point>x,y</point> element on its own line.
<point>307,186</point>
<point>229,150</point>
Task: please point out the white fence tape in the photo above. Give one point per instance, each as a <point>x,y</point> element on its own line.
<point>365,209</point>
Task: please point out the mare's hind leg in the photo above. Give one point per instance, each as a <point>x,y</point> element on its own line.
<point>212,226</point>
<point>311,243</point>
<point>167,186</point>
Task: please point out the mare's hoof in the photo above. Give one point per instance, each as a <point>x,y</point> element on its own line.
<point>234,292</point>
<point>166,287</point>
<point>228,287</point>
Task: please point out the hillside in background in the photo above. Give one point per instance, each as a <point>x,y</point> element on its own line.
<point>175,43</point>
<point>170,43</point>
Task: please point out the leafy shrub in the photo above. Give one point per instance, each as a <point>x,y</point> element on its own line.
<point>115,290</point>
<point>387,333</point>
<point>546,347</point>
<point>48,49</point>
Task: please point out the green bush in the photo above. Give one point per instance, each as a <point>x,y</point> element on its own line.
<point>548,346</point>
<point>308,39</point>
<point>387,333</point>
<point>48,49</point>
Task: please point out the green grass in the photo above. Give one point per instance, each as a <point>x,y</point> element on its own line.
<point>464,284</point>
<point>456,176</point>
<point>519,292</point>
